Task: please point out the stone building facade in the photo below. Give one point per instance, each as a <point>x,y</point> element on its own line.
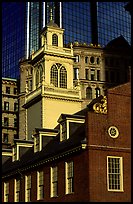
<point>9,111</point>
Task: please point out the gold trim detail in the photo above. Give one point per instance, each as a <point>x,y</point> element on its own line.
<point>101,107</point>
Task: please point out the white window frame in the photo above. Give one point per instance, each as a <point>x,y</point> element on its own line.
<point>16,190</point>
<point>120,174</point>
<point>6,191</point>
<point>69,177</point>
<point>54,181</point>
<point>28,188</point>
<point>40,185</point>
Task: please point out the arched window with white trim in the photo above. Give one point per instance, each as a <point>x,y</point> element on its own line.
<point>63,77</point>
<point>54,76</point>
<point>55,40</point>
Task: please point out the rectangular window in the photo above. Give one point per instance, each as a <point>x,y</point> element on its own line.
<point>8,90</point>
<point>28,188</point>
<point>6,191</point>
<point>86,74</point>
<point>76,73</point>
<point>5,137</point>
<point>15,106</point>
<point>6,121</point>
<point>6,106</point>
<point>114,173</point>
<point>54,181</point>
<point>77,58</point>
<point>92,74</point>
<point>98,75</point>
<point>15,122</point>
<point>86,60</point>
<point>69,177</point>
<point>17,190</point>
<point>15,91</point>
<point>40,185</point>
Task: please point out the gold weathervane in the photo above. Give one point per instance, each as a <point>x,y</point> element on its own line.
<point>101,107</point>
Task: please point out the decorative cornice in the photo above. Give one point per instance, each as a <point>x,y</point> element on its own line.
<point>101,107</point>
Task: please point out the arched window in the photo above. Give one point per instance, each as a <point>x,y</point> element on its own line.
<point>37,78</point>
<point>63,77</point>
<point>54,76</point>
<point>54,40</point>
<point>97,92</point>
<point>41,70</point>
<point>89,93</point>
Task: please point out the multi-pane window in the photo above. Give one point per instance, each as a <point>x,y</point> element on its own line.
<point>89,93</point>
<point>40,185</point>
<point>6,192</point>
<point>17,190</point>
<point>28,188</point>
<point>115,173</point>
<point>8,90</point>
<point>63,77</point>
<point>69,177</point>
<point>54,76</point>
<point>15,106</point>
<point>97,92</point>
<point>6,106</point>
<point>76,73</point>
<point>58,76</point>
<point>5,137</point>
<point>92,74</point>
<point>54,40</point>
<point>6,121</point>
<point>54,181</point>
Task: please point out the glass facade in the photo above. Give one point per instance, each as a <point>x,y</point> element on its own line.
<point>113,21</point>
<point>85,22</point>
<point>12,37</point>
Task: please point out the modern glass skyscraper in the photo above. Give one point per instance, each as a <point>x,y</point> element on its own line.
<point>89,22</point>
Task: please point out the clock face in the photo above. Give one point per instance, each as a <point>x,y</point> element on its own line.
<point>113,132</point>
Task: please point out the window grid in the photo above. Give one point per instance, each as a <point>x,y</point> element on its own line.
<point>40,185</point>
<point>58,76</point>
<point>54,181</point>
<point>6,192</point>
<point>63,78</point>
<point>54,76</point>
<point>69,178</point>
<point>115,181</point>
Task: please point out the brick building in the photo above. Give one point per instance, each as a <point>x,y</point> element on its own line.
<point>87,157</point>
